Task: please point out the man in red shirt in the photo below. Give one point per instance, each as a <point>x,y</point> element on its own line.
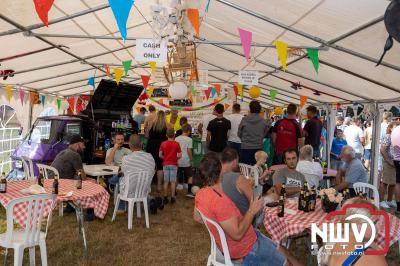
<point>287,134</point>
<point>170,152</point>
<point>246,245</point>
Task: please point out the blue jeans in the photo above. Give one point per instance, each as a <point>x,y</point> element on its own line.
<point>114,180</point>
<point>235,146</point>
<point>264,252</point>
<point>170,173</point>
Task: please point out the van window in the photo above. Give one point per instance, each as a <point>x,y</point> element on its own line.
<point>41,131</point>
<point>71,129</point>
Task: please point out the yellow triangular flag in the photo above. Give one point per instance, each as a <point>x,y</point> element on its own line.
<point>9,93</point>
<point>281,48</point>
<point>118,72</point>
<point>153,67</point>
<point>151,89</point>
<point>240,89</point>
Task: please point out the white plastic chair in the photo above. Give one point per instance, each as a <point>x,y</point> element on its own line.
<point>31,235</point>
<point>46,169</point>
<point>135,190</point>
<point>366,188</point>
<point>27,164</point>
<point>249,171</point>
<point>216,257</point>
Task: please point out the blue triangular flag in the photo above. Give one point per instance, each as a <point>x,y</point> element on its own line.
<point>213,92</point>
<point>121,9</point>
<point>91,82</point>
<point>43,99</point>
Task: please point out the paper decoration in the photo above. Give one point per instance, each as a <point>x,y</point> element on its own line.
<point>217,88</point>
<point>272,94</point>
<point>42,9</point>
<point>255,92</point>
<point>193,75</point>
<point>32,96</point>
<point>193,91</point>
<point>151,89</point>
<point>303,100</point>
<point>145,80</point>
<point>58,104</point>
<point>194,18</point>
<point>118,72</point>
<point>150,50</point>
<point>245,38</point>
<point>281,48</point>
<point>91,82</point>
<point>240,91</point>
<point>121,10</point>
<point>248,77</point>
<point>226,106</point>
<point>22,96</point>
<point>153,67</point>
<point>161,101</point>
<point>278,110</point>
<point>213,92</point>
<point>107,68</point>
<point>127,65</point>
<point>208,5</point>
<point>9,92</point>
<point>43,100</point>
<point>313,56</point>
<point>236,89</point>
<point>207,92</point>
<point>71,103</point>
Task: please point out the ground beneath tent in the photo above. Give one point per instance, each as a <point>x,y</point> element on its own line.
<point>173,239</point>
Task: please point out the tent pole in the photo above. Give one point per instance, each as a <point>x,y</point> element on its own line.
<point>375,145</point>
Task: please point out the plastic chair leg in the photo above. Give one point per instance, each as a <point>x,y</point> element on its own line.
<point>5,257</point>
<point>61,209</point>
<point>32,260</point>
<point>43,252</point>
<point>115,209</point>
<point>130,214</point>
<point>18,256</point>
<point>138,211</point>
<point>146,213</point>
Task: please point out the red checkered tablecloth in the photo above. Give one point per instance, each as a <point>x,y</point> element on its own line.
<point>91,195</point>
<point>293,224</point>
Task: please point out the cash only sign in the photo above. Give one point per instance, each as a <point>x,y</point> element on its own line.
<point>151,50</point>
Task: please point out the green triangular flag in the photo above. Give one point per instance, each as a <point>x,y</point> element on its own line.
<point>313,55</point>
<point>272,94</point>
<point>193,91</point>
<point>58,104</point>
<point>127,65</point>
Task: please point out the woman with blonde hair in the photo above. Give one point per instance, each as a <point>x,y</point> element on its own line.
<point>157,134</point>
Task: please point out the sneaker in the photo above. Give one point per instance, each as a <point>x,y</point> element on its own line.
<point>165,201</point>
<point>173,200</point>
<point>179,187</point>
<point>392,204</point>
<point>384,204</point>
<point>190,195</point>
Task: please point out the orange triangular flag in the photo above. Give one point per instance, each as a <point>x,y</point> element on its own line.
<point>303,100</point>
<point>107,67</point>
<point>217,88</point>
<point>194,18</point>
<point>32,97</point>
<point>145,80</point>
<point>226,106</point>
<point>193,75</point>
<point>161,101</point>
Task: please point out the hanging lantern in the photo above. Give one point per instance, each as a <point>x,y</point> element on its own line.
<point>178,90</point>
<point>255,92</point>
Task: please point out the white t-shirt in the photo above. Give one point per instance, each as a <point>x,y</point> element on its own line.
<point>235,121</point>
<point>312,171</point>
<point>206,120</point>
<point>353,136</point>
<point>186,143</point>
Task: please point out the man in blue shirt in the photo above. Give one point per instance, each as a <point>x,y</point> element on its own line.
<point>337,144</point>
<point>139,118</point>
<point>351,172</point>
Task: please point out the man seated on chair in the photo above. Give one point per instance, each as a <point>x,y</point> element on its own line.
<point>289,176</point>
<point>115,155</point>
<point>246,245</point>
<point>352,171</point>
<point>137,160</point>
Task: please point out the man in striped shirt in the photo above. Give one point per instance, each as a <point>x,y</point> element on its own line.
<point>136,161</point>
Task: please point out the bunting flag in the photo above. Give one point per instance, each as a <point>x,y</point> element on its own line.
<point>58,104</point>
<point>245,38</point>
<point>118,72</point>
<point>91,82</point>
<point>240,91</point>
<point>303,100</point>
<point>151,89</point>
<point>193,75</point>
<point>32,96</point>
<point>194,18</point>
<point>272,94</point>
<point>107,68</point>
<point>161,101</point>
<point>76,98</point>
<point>121,10</point>
<point>217,88</point>
<point>43,100</point>
<point>338,106</point>
<point>207,93</point>
<point>226,106</point>
<point>190,97</point>
<point>127,65</point>
<point>313,56</point>
<point>208,5</point>
<point>213,92</point>
<point>236,90</point>
<point>42,9</point>
<point>9,92</point>
<point>193,91</point>
<point>145,80</point>
<point>153,67</point>
<point>281,48</point>
<point>22,96</point>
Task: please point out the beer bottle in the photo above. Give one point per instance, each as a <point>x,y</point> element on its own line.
<point>313,199</point>
<point>55,185</point>
<point>283,191</point>
<point>307,201</point>
<point>301,198</point>
<point>79,180</point>
<point>40,178</point>
<point>305,186</point>
<point>281,206</point>
<point>3,184</point>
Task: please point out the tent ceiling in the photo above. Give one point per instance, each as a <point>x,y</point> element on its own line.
<point>346,72</point>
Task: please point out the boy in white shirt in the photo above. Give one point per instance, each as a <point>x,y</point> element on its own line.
<point>185,162</point>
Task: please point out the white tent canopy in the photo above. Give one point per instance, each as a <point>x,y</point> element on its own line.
<point>353,30</point>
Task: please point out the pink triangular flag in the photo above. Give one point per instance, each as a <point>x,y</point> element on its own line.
<point>245,38</point>
<point>22,96</point>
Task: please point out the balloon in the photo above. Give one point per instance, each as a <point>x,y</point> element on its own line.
<point>278,110</point>
<point>254,92</point>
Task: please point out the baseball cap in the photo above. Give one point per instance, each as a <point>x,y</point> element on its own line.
<point>75,139</point>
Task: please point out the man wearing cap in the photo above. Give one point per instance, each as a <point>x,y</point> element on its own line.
<point>69,161</point>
